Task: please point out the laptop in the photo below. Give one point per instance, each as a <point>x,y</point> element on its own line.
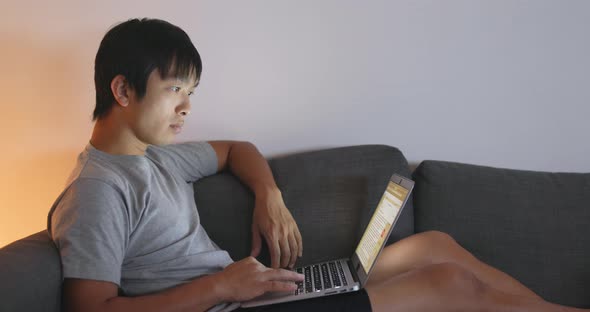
<point>346,275</point>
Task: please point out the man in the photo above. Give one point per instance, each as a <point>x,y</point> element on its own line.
<point>128,230</point>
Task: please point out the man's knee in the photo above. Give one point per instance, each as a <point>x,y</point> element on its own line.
<point>453,279</point>
<point>437,238</point>
<point>437,245</point>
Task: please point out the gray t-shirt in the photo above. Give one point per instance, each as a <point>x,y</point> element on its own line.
<point>132,220</point>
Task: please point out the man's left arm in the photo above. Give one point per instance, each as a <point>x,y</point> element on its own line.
<point>271,220</point>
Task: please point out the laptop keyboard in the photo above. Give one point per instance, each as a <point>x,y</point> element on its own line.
<point>321,276</point>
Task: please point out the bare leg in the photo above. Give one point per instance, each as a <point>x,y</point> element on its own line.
<point>448,287</point>
<point>434,247</point>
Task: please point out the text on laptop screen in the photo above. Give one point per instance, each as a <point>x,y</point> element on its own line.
<point>380,224</point>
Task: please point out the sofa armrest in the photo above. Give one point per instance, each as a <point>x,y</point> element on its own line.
<point>30,275</point>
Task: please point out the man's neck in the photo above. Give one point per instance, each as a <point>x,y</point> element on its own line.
<point>114,138</point>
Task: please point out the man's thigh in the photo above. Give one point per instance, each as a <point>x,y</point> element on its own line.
<point>357,301</point>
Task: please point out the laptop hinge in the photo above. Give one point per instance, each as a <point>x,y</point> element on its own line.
<point>353,271</point>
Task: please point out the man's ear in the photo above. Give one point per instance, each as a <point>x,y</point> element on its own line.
<point>121,90</point>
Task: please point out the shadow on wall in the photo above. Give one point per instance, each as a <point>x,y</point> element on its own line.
<point>45,110</point>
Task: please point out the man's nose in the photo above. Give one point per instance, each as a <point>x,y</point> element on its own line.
<point>185,108</point>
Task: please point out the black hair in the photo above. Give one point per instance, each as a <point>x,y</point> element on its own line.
<point>134,49</point>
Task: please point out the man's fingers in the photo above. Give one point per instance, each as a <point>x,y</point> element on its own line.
<point>299,242</point>
<point>294,249</point>
<point>282,275</point>
<point>281,280</point>
<point>285,251</point>
<point>274,251</point>
<point>279,286</point>
<point>256,243</point>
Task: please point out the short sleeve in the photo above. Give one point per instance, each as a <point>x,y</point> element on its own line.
<point>193,160</point>
<point>89,226</point>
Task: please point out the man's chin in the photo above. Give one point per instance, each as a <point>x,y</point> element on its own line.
<point>159,142</point>
<point>163,142</point>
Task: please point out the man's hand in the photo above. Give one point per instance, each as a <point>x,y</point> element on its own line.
<point>273,220</point>
<point>248,279</point>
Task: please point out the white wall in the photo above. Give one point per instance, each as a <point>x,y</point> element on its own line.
<point>496,82</point>
<point>501,83</point>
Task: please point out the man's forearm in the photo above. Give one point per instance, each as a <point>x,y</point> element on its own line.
<point>197,295</point>
<point>271,219</point>
<point>246,162</point>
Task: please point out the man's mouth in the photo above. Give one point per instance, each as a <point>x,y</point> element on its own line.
<point>176,127</point>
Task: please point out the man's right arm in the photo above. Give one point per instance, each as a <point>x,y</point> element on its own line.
<point>94,296</point>
<point>240,281</point>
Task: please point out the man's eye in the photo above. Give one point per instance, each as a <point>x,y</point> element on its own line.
<point>191,93</point>
<point>175,89</point>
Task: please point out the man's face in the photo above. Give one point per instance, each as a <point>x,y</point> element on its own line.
<point>160,114</point>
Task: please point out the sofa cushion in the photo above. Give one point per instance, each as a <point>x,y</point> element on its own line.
<point>331,194</point>
<point>30,275</point>
<point>531,225</point>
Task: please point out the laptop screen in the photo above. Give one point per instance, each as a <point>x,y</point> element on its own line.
<point>378,229</point>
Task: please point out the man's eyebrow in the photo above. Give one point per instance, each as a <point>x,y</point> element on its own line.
<point>183,80</point>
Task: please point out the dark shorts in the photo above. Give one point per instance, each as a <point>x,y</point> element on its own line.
<point>357,301</point>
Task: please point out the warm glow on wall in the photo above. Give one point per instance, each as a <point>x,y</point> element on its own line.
<point>46,98</point>
<point>27,187</point>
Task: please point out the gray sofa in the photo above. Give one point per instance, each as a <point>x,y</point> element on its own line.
<point>533,225</point>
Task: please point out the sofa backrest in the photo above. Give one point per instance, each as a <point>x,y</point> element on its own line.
<point>534,226</point>
<point>331,194</point>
